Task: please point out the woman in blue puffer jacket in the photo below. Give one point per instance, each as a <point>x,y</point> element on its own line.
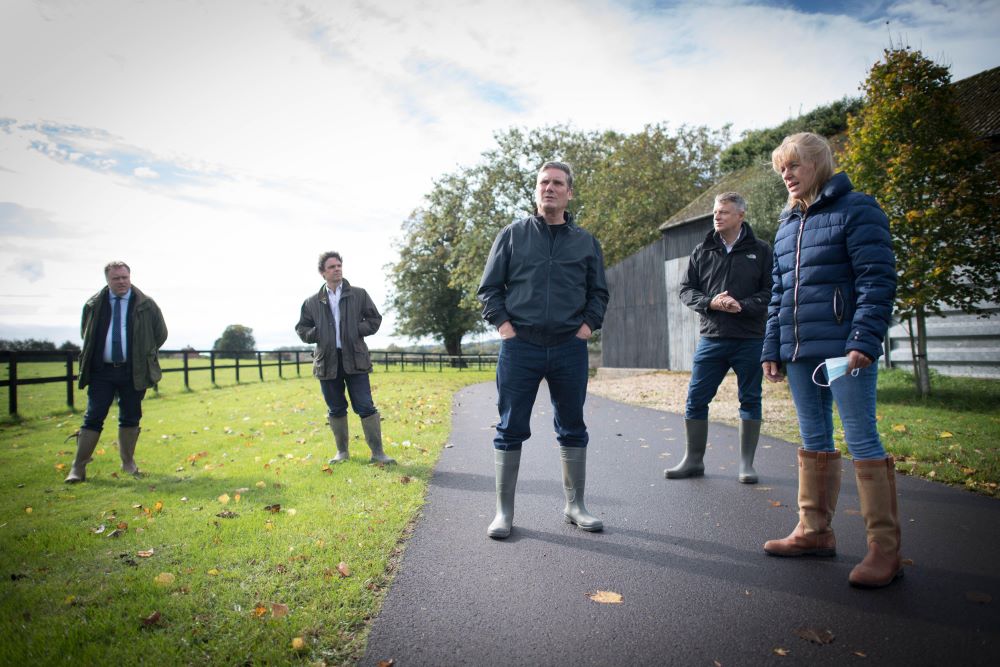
<point>831,304</point>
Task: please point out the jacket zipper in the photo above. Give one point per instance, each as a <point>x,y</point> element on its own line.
<point>795,296</point>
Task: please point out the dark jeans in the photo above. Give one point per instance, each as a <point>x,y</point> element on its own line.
<point>712,360</point>
<point>521,367</point>
<point>106,382</point>
<point>358,388</point>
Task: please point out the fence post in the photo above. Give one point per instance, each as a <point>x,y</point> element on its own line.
<point>281,355</point>
<point>12,376</point>
<point>237,355</point>
<point>186,384</point>
<point>211,363</point>
<point>69,378</point>
<point>386,361</point>
<point>260,365</point>
<point>298,371</point>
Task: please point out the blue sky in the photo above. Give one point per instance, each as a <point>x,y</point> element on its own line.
<point>219,146</point>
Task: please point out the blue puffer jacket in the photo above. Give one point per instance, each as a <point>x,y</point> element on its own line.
<point>834,278</point>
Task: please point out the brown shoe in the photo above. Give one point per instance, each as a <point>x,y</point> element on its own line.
<point>819,488</point>
<point>877,492</point>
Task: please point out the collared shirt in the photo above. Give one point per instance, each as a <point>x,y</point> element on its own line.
<point>335,308</point>
<point>123,325</point>
<point>729,248</point>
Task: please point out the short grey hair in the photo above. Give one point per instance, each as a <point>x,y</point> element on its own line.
<point>734,198</point>
<point>117,264</point>
<point>561,166</point>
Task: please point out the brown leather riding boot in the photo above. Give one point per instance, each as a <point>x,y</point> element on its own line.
<point>819,487</point>
<point>877,492</point>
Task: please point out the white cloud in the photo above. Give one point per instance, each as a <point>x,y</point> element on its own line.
<point>219,147</point>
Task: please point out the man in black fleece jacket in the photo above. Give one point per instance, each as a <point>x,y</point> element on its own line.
<point>728,283</point>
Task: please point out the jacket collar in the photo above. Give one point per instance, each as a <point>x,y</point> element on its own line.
<point>345,290</point>
<point>746,236</point>
<point>137,296</point>
<point>838,186</point>
<point>567,216</point>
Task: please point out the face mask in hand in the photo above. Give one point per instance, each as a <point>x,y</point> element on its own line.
<point>835,368</point>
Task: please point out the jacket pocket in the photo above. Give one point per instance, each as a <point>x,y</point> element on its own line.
<point>838,305</point>
<point>154,372</point>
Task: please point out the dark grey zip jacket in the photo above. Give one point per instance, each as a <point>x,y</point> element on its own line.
<point>546,284</point>
<point>745,273</point>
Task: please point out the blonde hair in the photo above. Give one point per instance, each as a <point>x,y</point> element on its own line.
<point>805,147</point>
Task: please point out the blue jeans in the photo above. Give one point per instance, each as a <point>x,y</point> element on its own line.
<point>855,397</point>
<point>358,388</point>
<point>107,382</point>
<point>712,360</point>
<point>521,367</point>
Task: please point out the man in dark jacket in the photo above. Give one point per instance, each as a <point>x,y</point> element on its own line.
<point>122,329</point>
<point>337,319</point>
<point>544,290</point>
<point>728,283</point>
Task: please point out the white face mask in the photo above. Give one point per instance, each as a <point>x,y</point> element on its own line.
<point>835,368</point>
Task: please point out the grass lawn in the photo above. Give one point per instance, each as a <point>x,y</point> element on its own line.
<point>240,540</point>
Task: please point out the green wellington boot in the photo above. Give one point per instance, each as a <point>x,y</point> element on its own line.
<point>372,426</point>
<point>507,464</point>
<point>574,468</point>
<point>86,443</point>
<point>340,435</point>
<point>696,436</point>
<point>749,435</point>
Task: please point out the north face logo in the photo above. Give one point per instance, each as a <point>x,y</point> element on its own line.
<point>751,256</point>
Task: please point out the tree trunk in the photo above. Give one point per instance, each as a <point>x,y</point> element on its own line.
<point>453,347</point>
<point>921,369</point>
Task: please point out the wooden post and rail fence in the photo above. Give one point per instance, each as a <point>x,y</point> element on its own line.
<point>218,360</point>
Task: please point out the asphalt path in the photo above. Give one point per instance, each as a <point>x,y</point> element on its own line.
<point>685,555</point>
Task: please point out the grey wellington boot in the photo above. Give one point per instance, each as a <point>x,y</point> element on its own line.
<point>128,436</point>
<point>749,435</point>
<point>340,434</point>
<point>574,467</point>
<point>86,443</point>
<point>507,464</point>
<point>692,465</point>
<point>372,427</point>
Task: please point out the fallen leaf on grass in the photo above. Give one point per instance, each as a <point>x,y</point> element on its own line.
<point>405,479</point>
<point>273,509</point>
<point>278,610</point>
<point>100,529</point>
<point>122,526</point>
<point>224,498</point>
<point>70,600</point>
<point>213,572</point>
<point>145,554</point>
<point>28,510</point>
<point>899,428</point>
<point>164,578</point>
<point>117,532</point>
<point>781,651</point>
<point>158,507</point>
<point>259,610</point>
<point>344,570</point>
<point>815,635</point>
<point>60,466</point>
<point>227,514</point>
<point>261,484</point>
<point>151,620</point>
<point>298,644</point>
<point>946,434</point>
<point>606,597</point>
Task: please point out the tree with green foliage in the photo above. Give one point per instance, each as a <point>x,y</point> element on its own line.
<point>423,297</point>
<point>27,345</point>
<point>766,196</point>
<point>643,180</point>
<point>909,149</point>
<point>236,341</point>
<point>755,146</point>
